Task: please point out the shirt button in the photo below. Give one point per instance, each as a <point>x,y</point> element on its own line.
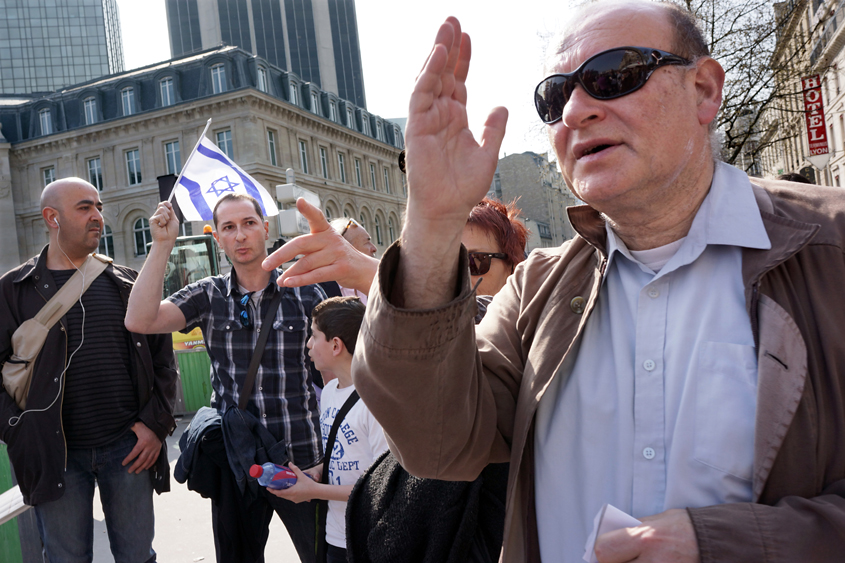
<point>138,344</point>
<point>648,453</point>
<point>261,388</point>
<point>62,329</point>
<point>227,327</point>
<point>258,331</point>
<point>649,365</point>
<point>60,485</point>
<point>577,305</point>
<point>290,327</point>
<point>46,285</point>
<point>264,415</point>
<point>653,293</point>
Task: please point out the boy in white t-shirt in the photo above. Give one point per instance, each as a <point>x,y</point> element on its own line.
<point>360,438</point>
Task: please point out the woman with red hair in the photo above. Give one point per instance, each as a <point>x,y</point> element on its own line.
<point>495,239</point>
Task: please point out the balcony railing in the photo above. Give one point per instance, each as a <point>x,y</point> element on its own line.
<point>828,33</point>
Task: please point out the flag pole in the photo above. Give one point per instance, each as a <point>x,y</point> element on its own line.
<point>190,156</point>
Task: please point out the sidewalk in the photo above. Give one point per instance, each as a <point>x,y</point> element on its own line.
<point>183,523</point>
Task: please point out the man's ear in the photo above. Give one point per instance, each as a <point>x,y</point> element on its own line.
<point>266,230</point>
<point>49,214</point>
<point>709,80</point>
<point>214,234</point>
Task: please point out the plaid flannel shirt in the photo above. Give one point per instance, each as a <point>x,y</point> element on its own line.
<point>282,398</point>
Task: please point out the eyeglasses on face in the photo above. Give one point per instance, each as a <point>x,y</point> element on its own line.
<point>604,76</point>
<point>346,228</point>
<point>479,262</point>
<point>244,314</point>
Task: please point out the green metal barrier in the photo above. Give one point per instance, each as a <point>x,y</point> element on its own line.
<point>194,369</point>
<point>10,543</point>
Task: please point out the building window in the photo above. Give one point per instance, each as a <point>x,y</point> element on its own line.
<point>294,98</point>
<point>90,107</point>
<point>391,230</point>
<point>386,179</point>
<point>172,157</point>
<point>365,123</point>
<point>373,176</point>
<point>315,103</point>
<point>262,79</point>
<point>95,174</point>
<point>329,215</point>
<point>362,221</point>
<point>350,119</point>
<point>378,232</point>
<point>127,100</point>
<point>333,110</point>
<point>133,167</point>
<point>358,173</point>
<point>224,142</point>
<point>46,121</point>
<point>271,146</point>
<point>324,165</point>
<point>107,242</point>
<point>142,236</point>
<point>303,157</point>
<point>185,229</point>
<point>218,78</point>
<point>49,175</point>
<point>166,87</point>
<point>341,166</point>
<point>379,131</point>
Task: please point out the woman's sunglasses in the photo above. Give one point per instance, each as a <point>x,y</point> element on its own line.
<point>604,76</point>
<point>479,262</point>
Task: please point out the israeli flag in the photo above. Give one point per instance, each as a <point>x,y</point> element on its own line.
<point>209,175</point>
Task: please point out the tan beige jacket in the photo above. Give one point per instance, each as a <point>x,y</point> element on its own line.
<point>452,401</point>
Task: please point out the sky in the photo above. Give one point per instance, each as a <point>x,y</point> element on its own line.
<point>509,38</point>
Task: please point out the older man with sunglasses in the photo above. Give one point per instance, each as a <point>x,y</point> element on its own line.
<point>680,359</point>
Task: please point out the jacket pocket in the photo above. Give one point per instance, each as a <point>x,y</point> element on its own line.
<point>725,407</point>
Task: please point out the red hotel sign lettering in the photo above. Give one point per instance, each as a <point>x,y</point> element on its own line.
<point>814,113</point>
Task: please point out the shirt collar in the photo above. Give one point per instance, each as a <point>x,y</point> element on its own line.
<point>729,216</point>
<point>232,281</point>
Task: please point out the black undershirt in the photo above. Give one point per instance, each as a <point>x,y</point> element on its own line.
<point>100,402</point>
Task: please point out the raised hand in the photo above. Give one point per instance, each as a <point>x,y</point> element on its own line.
<point>448,171</point>
<point>327,256</point>
<point>164,226</point>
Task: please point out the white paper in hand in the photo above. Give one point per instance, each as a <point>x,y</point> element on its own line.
<point>608,519</point>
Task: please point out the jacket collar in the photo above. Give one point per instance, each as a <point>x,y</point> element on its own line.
<point>787,236</point>
<point>34,267</point>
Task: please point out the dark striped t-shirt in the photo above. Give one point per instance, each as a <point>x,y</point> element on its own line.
<point>100,402</point>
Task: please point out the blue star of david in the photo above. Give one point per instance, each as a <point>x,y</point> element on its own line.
<point>221,185</point>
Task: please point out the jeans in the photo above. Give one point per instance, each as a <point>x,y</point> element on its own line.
<point>66,525</point>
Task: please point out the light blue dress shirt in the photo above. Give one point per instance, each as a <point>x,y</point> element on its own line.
<point>658,410</point>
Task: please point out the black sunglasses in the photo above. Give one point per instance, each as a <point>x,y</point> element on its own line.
<point>479,262</point>
<point>607,75</point>
<point>245,320</point>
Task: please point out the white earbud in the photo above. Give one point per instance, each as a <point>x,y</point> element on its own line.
<point>56,221</point>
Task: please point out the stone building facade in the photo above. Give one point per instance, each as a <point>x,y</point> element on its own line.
<point>123,131</point>
<point>541,194</point>
<point>810,41</point>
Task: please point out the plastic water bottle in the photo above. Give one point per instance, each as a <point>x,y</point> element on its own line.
<point>273,476</point>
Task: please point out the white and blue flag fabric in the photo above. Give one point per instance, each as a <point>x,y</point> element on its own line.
<point>208,176</point>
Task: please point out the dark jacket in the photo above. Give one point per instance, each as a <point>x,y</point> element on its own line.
<point>37,447</point>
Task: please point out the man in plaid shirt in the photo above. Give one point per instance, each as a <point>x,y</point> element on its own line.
<point>230,310</point>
